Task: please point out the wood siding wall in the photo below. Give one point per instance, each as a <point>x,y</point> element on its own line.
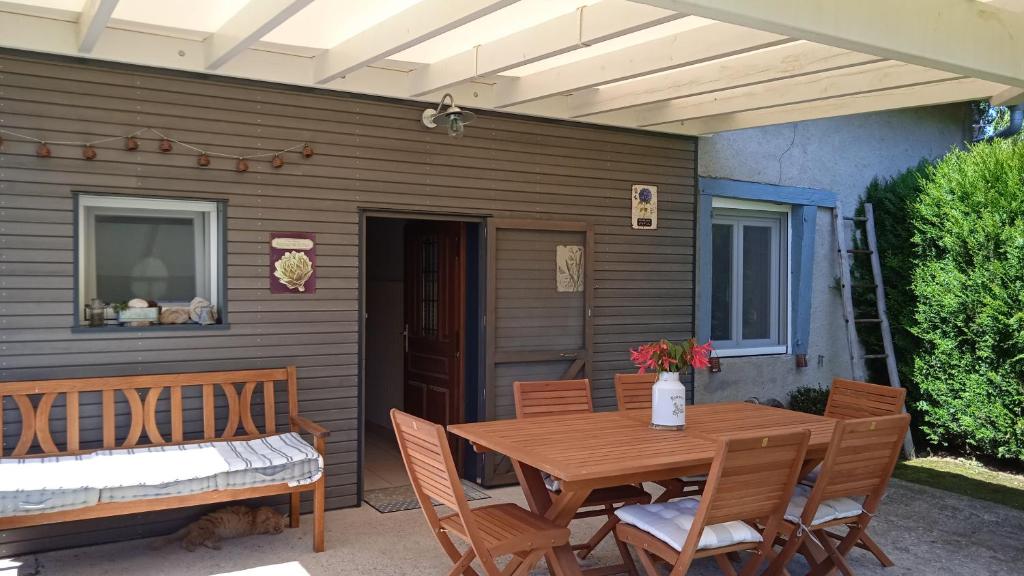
<point>371,154</point>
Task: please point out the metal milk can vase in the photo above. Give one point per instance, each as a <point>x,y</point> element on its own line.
<point>668,406</point>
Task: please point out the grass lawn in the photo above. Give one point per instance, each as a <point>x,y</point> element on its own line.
<point>965,477</point>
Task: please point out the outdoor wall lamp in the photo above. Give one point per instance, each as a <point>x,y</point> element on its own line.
<point>452,117</point>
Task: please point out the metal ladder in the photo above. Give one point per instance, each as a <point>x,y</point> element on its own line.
<point>882,319</point>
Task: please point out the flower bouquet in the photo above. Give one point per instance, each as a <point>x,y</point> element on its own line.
<point>669,359</point>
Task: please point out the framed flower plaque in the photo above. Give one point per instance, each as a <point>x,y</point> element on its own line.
<point>292,263</point>
<point>645,207</point>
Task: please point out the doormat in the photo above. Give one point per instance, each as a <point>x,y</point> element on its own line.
<point>399,498</point>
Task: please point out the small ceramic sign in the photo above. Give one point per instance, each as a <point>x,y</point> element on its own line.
<point>645,207</point>
<point>569,266</point>
<point>292,263</point>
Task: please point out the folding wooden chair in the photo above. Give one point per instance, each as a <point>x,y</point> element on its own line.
<point>859,463</point>
<point>750,484</point>
<point>490,531</point>
<point>633,392</point>
<point>850,399</point>
<point>564,398</point>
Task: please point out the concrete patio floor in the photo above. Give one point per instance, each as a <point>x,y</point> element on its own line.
<point>926,531</point>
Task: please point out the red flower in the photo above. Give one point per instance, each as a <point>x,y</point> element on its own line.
<point>699,355</point>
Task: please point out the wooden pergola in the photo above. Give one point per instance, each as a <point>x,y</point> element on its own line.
<point>678,66</point>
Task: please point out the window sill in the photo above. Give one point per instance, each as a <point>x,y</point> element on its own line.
<point>762,351</point>
<point>157,328</point>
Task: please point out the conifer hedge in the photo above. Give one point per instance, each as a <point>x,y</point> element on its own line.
<point>968,286</point>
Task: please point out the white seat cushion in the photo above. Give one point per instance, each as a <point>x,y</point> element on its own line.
<point>695,478</point>
<point>671,522</point>
<point>829,510</point>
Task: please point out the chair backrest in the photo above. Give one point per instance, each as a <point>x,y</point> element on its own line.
<point>860,460</point>
<point>633,391</point>
<point>144,410</point>
<point>753,476</point>
<point>428,460</point>
<point>552,398</point>
<point>852,399</point>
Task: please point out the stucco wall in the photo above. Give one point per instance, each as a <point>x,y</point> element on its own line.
<point>837,154</point>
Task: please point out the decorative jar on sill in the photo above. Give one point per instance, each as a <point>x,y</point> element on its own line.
<point>668,395</point>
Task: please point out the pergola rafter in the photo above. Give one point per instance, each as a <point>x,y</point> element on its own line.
<point>686,66</point>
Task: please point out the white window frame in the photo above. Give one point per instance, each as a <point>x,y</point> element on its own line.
<point>208,237</point>
<point>735,207</point>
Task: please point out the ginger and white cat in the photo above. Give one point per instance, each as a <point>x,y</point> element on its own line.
<point>230,522</point>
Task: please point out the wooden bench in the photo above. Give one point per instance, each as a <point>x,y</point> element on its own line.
<point>136,422</point>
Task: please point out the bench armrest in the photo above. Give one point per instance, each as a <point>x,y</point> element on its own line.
<point>305,425</point>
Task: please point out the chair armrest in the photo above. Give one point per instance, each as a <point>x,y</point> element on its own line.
<point>305,425</point>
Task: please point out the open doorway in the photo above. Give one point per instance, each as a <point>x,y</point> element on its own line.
<point>416,333</point>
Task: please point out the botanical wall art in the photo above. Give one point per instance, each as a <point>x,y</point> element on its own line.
<point>292,263</point>
<point>569,265</point>
<point>645,207</point>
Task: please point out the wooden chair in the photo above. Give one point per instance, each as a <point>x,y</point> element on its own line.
<point>850,399</point>
<point>491,531</point>
<point>750,484</point>
<point>565,398</point>
<point>633,392</point>
<point>859,463</point>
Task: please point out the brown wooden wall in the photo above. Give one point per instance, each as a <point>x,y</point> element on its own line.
<point>371,154</point>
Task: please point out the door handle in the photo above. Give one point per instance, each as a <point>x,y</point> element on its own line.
<point>405,338</point>
<point>571,355</point>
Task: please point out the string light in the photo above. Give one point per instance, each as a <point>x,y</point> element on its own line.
<point>131,143</point>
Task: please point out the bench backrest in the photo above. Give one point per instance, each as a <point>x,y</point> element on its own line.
<point>146,410</point>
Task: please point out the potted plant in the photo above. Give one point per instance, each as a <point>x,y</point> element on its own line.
<point>670,359</point>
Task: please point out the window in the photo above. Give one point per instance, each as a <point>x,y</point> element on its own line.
<point>167,251</point>
<point>749,295</point>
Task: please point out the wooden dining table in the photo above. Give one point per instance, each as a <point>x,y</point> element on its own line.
<point>604,449</point>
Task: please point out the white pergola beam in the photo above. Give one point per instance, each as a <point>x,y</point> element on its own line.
<point>960,90</point>
<point>702,44</point>
<point>1009,97</point>
<point>254,21</point>
<point>414,25</point>
<point>959,36</point>
<point>875,77</point>
<point>1012,5</point>
<point>791,60</point>
<point>586,26</point>
<point>92,22</point>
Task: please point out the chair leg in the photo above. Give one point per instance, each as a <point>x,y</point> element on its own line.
<point>645,560</point>
<point>602,532</point>
<point>463,563</point>
<point>449,548</point>
<point>527,563</point>
<point>834,559</point>
<point>294,508</point>
<point>793,543</point>
<point>876,550</point>
<point>725,565</point>
<point>319,509</point>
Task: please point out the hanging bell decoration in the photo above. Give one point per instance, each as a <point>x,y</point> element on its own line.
<point>242,165</point>
<point>131,143</point>
<point>166,146</point>
<point>43,151</point>
<point>88,152</point>
<point>307,151</point>
<point>203,160</point>
<point>277,162</point>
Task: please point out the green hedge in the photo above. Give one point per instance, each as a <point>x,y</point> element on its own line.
<point>968,281</point>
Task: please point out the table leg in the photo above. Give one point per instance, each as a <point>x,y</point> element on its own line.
<point>560,510</point>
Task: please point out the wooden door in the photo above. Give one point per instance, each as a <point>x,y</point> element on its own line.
<point>539,313</point>
<point>434,288</point>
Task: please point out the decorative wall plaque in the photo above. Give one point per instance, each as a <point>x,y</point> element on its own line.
<point>569,266</point>
<point>645,207</point>
<point>292,263</point>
